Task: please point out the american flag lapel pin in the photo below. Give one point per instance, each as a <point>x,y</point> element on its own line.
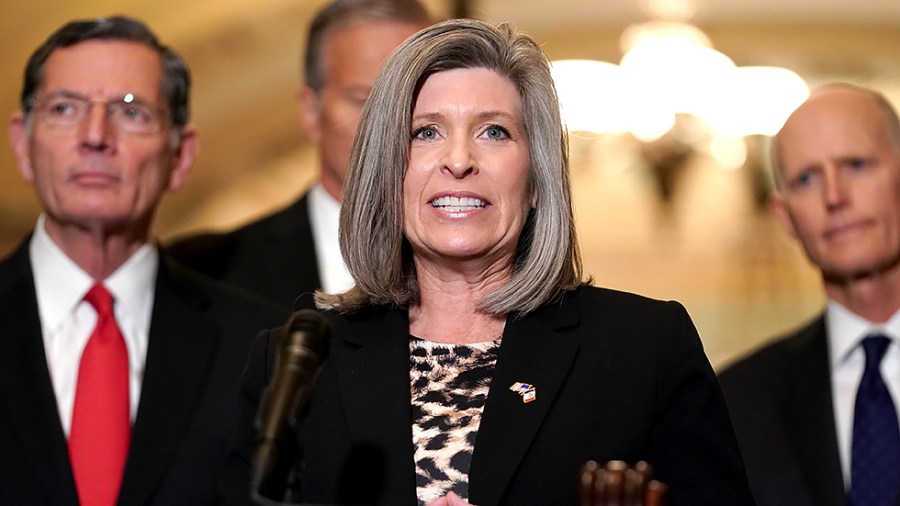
<point>526,390</point>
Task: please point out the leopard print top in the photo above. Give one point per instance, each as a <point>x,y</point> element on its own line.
<point>449,385</point>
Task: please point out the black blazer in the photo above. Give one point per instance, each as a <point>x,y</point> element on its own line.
<point>781,407</point>
<point>274,256</point>
<point>617,376</point>
<point>200,334</point>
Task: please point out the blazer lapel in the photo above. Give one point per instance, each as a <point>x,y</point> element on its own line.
<point>291,254</point>
<point>531,352</point>
<point>375,390</point>
<point>810,423</point>
<point>25,385</point>
<point>181,348</point>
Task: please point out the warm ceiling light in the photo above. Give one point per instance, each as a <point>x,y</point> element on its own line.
<point>683,76</point>
<point>590,95</point>
<point>655,33</point>
<point>760,101</point>
<point>728,152</point>
<point>670,69</point>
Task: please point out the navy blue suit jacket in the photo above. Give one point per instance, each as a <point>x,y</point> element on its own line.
<point>274,256</point>
<point>781,407</point>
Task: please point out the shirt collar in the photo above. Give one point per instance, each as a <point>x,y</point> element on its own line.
<point>324,218</point>
<point>64,283</point>
<point>60,283</point>
<point>327,209</point>
<point>133,285</point>
<point>846,329</point>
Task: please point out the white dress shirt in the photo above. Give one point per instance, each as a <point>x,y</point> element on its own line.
<point>67,321</point>
<point>845,331</point>
<point>324,216</point>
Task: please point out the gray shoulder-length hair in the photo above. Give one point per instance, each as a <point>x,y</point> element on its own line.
<point>371,225</point>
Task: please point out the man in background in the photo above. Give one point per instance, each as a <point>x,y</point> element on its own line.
<point>295,251</point>
<point>815,412</point>
<point>118,368</point>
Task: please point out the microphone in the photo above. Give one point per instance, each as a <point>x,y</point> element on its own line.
<point>301,355</point>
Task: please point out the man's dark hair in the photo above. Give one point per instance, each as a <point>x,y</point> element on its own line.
<point>176,82</point>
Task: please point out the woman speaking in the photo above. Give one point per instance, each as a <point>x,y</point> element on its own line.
<point>472,361</point>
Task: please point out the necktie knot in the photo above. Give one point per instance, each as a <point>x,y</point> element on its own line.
<point>100,299</point>
<point>875,347</point>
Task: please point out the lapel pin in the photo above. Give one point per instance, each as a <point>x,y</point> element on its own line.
<point>526,390</point>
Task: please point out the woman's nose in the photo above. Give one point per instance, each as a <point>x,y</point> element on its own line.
<point>458,160</point>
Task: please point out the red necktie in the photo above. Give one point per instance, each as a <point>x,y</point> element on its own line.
<point>101,426</point>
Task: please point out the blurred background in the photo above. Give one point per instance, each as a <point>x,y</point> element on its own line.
<point>669,164</point>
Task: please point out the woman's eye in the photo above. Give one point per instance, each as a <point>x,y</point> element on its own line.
<point>425,133</point>
<point>496,132</point>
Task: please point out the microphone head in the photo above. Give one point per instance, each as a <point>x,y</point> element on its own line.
<point>308,328</point>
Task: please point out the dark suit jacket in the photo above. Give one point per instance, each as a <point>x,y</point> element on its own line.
<point>781,407</point>
<point>617,376</point>
<point>200,334</point>
<point>274,257</point>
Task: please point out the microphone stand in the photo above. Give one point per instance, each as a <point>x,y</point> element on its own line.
<point>276,466</point>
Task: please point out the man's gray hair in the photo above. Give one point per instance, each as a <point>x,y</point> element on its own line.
<point>342,12</point>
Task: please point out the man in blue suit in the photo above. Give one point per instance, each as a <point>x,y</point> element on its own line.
<point>799,405</point>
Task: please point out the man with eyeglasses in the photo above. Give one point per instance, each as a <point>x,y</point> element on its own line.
<point>118,367</point>
<point>295,250</point>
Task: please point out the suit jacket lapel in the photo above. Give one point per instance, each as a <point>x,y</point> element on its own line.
<point>25,385</point>
<point>375,390</point>
<point>810,423</point>
<point>531,352</point>
<point>181,348</point>
<point>292,254</point>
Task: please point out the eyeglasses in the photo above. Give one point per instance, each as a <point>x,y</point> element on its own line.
<point>128,114</point>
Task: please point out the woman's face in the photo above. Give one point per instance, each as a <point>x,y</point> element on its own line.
<point>466,192</point>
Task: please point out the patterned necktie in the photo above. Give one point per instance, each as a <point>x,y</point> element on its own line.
<point>875,459</point>
<point>101,426</point>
